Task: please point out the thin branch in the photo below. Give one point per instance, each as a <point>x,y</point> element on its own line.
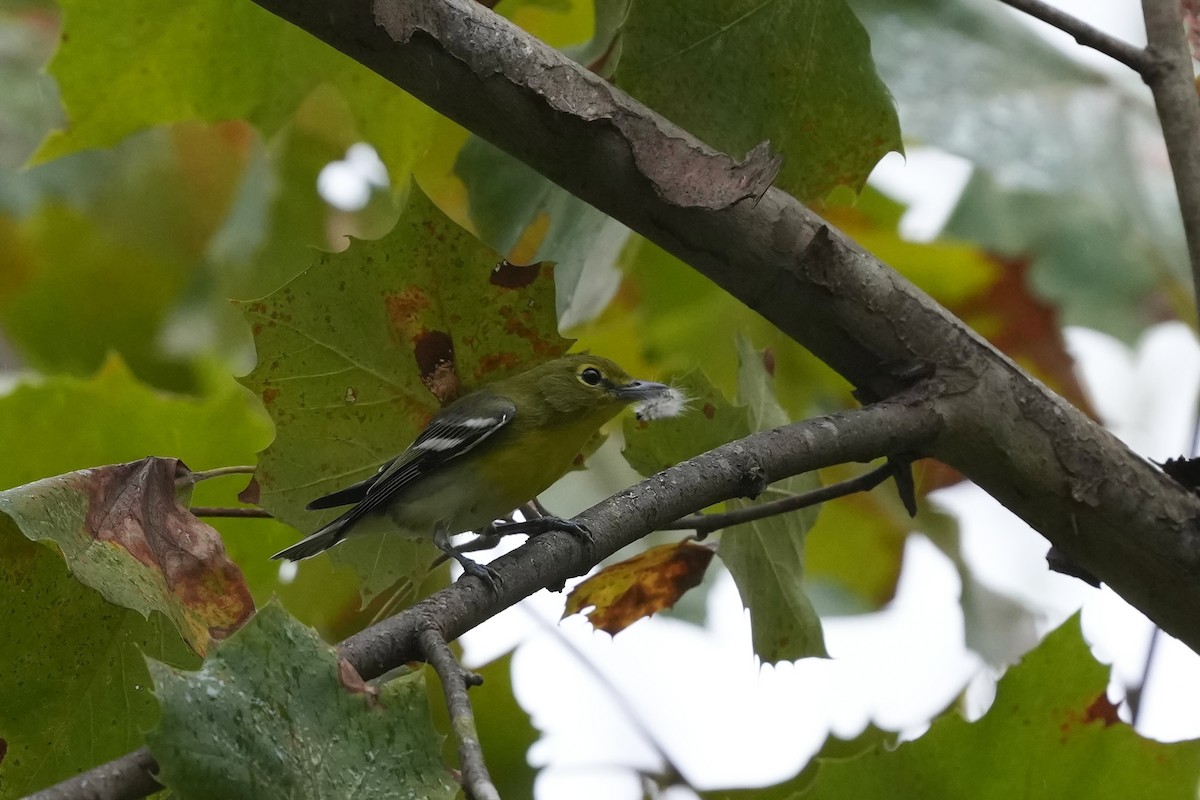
<point>705,524</point>
<point>1173,84</point>
<point>1130,55</point>
<point>196,477</point>
<point>220,511</point>
<point>455,681</point>
<point>901,425</point>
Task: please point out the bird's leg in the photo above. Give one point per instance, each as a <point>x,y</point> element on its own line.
<point>536,526</point>
<point>489,576</point>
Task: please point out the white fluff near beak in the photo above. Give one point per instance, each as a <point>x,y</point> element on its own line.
<point>670,403</point>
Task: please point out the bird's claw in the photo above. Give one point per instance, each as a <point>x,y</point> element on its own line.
<point>485,572</point>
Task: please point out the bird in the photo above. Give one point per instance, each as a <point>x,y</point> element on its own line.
<point>488,453</point>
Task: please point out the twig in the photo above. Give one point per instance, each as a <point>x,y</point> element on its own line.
<point>196,477</point>
<point>1133,57</point>
<point>1171,81</point>
<point>219,511</point>
<point>455,681</point>
<point>705,524</point>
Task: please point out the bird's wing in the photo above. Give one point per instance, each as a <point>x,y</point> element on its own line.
<point>455,431</point>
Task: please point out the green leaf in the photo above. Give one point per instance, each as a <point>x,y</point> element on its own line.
<point>211,60</point>
<point>1051,732</point>
<point>765,558</point>
<point>273,713</point>
<point>797,72</point>
<point>75,692</point>
<point>356,353</point>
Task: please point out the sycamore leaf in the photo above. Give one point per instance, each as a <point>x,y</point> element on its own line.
<point>621,594</point>
<point>356,354</point>
<point>75,691</point>
<point>314,730</point>
<point>124,532</point>
<point>736,73</point>
<point>206,60</point>
<point>1051,732</point>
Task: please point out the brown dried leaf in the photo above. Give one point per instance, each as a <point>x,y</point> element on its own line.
<point>124,532</point>
<point>623,593</point>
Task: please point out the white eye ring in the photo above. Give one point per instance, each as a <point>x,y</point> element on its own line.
<point>591,376</point>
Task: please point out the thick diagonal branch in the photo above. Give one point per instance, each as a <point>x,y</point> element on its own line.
<point>1108,509</point>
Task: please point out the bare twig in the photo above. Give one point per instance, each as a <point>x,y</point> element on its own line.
<point>196,477</point>
<point>219,511</point>
<point>705,524</point>
<point>455,681</point>
<point>1172,82</point>
<point>1130,55</point>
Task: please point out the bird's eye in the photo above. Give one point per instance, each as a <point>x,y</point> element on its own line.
<point>591,376</point>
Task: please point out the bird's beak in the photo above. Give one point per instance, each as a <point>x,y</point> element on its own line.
<point>641,390</point>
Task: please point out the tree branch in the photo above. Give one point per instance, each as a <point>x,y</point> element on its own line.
<point>1131,56</point>
<point>901,425</point>
<point>1110,510</point>
<point>1172,82</point>
<point>476,781</point>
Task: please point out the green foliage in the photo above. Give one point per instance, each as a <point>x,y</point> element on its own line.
<point>313,730</point>
<point>76,691</point>
<point>355,355</point>
<point>210,60</point>
<point>810,86</point>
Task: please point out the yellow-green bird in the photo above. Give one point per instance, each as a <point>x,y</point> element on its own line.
<point>487,453</point>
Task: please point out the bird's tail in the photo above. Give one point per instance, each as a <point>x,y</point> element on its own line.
<point>317,542</point>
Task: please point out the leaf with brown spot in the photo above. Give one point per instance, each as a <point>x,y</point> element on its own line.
<point>124,531</point>
<point>360,350</point>
<point>621,594</point>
